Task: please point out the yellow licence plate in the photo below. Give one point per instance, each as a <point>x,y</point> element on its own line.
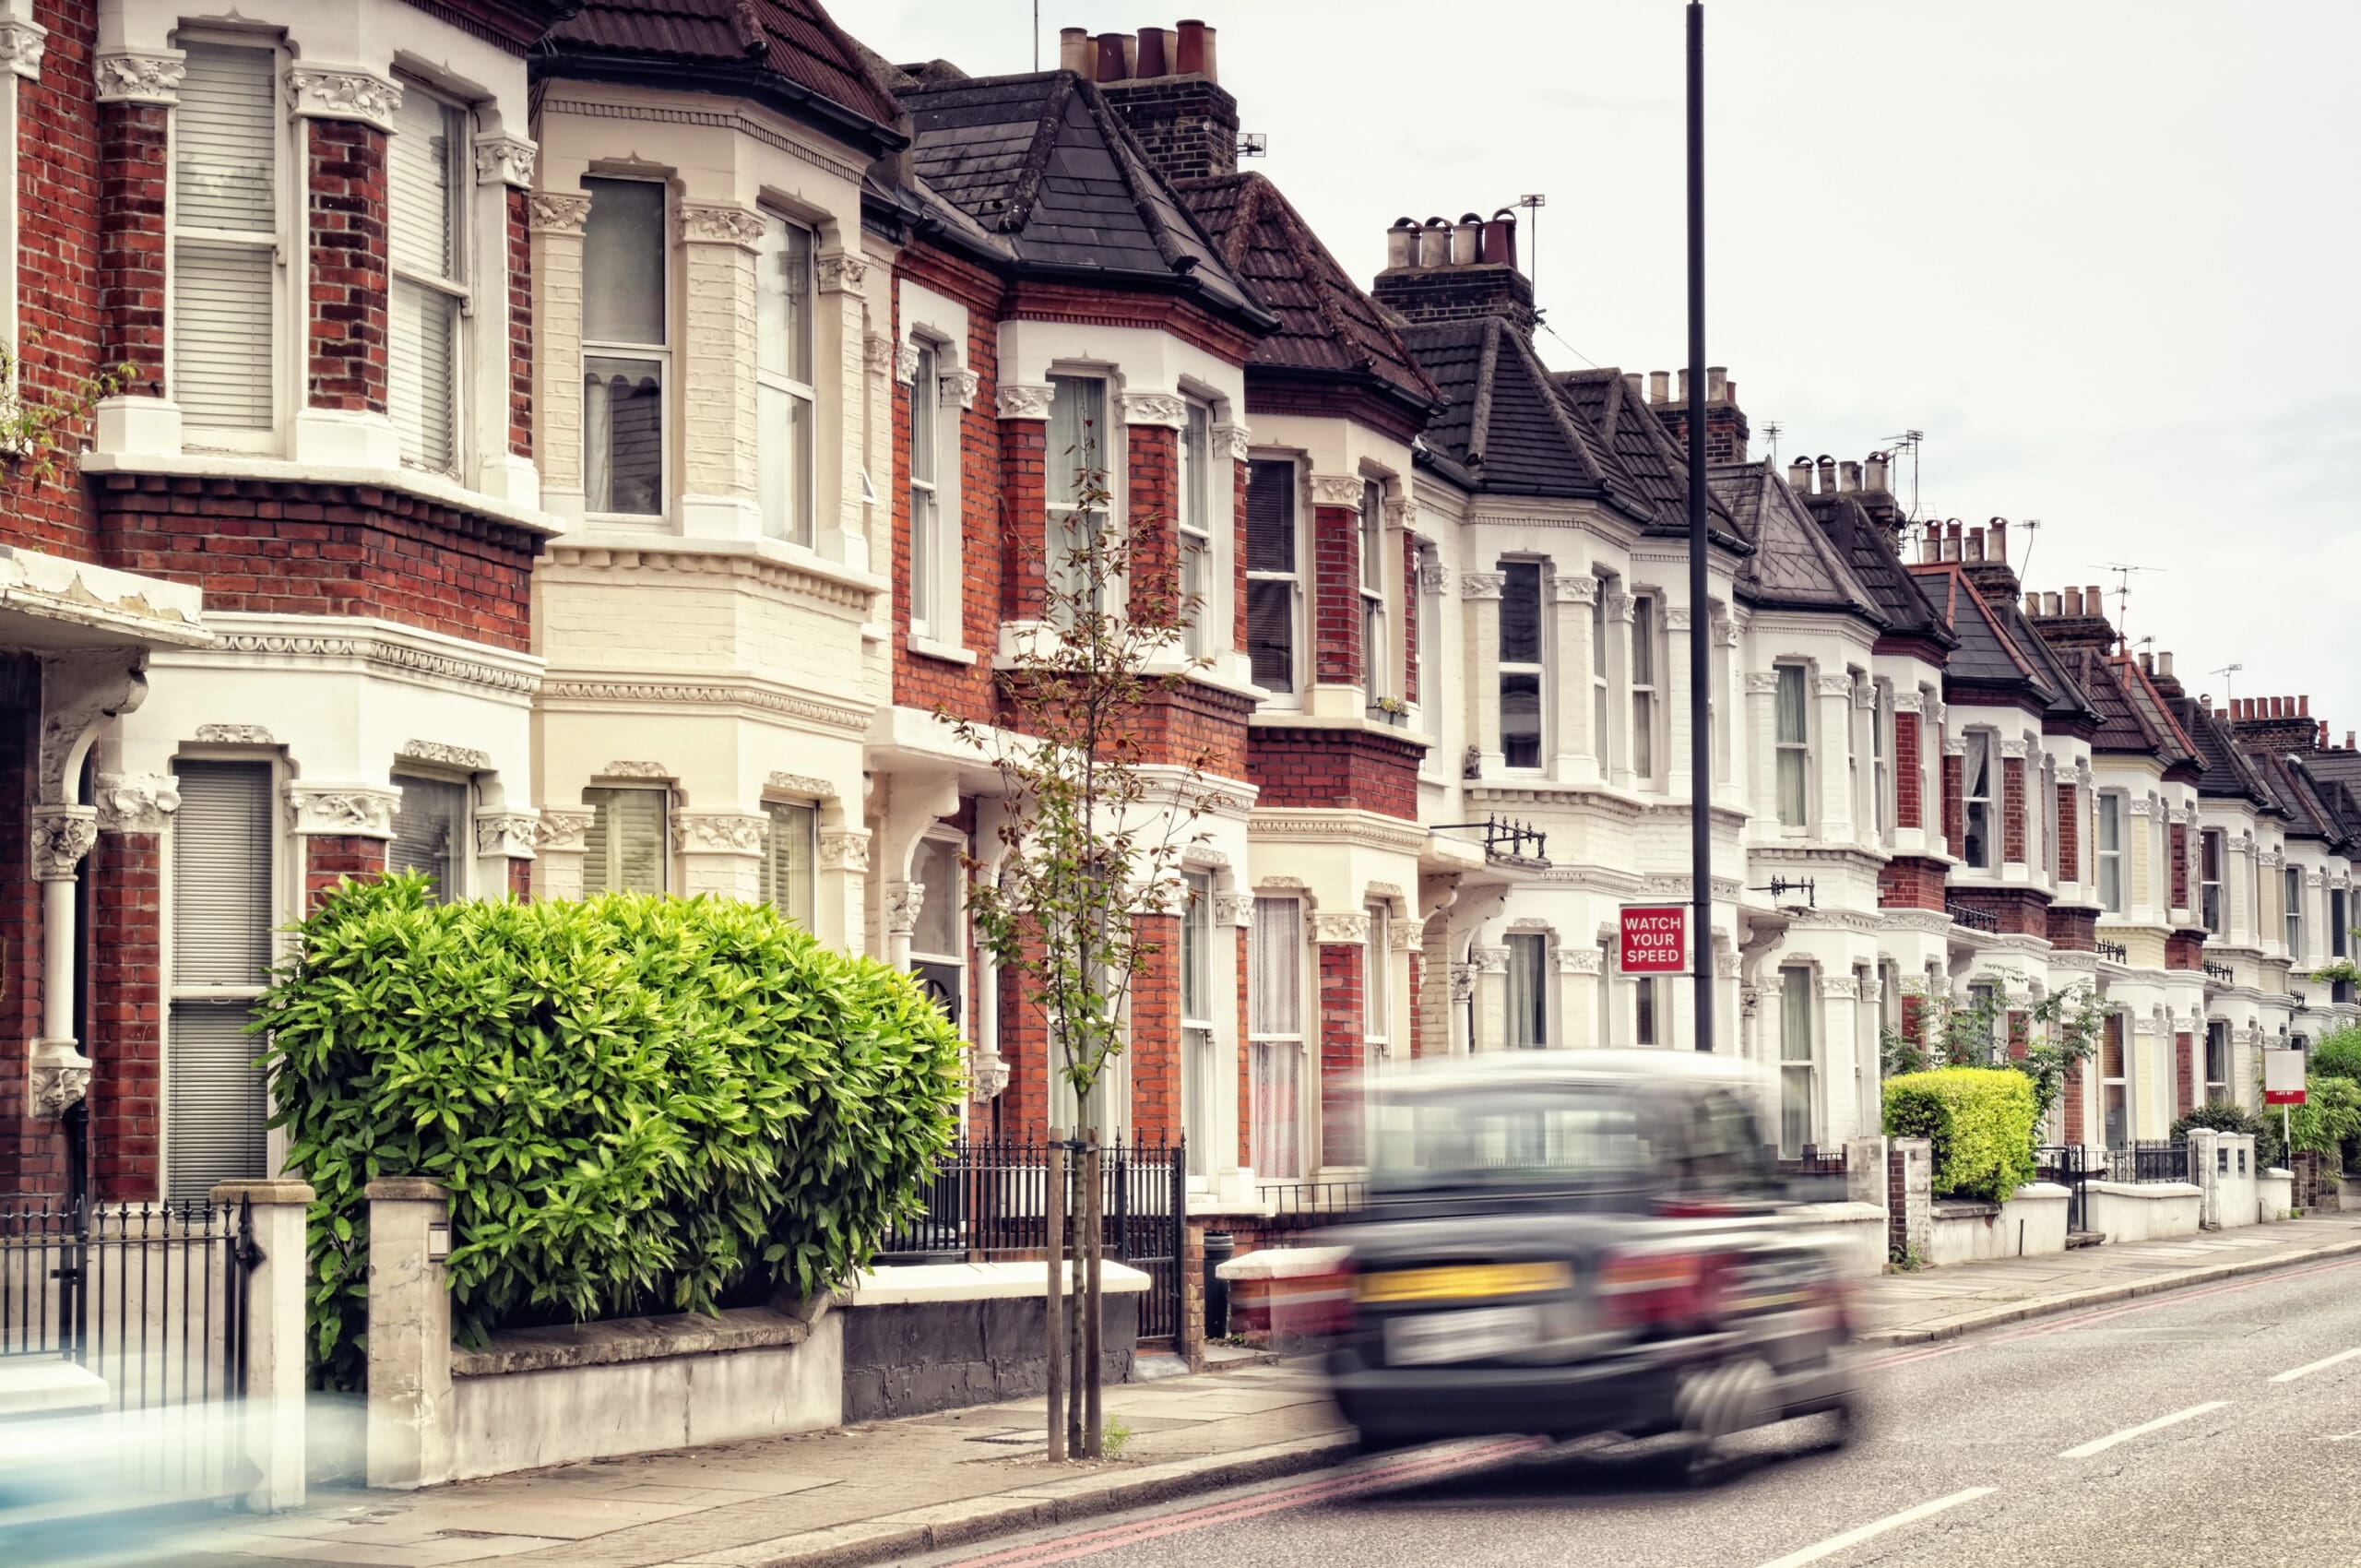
<point>1464,1283</point>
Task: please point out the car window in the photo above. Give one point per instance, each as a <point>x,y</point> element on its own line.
<point>1725,1152</point>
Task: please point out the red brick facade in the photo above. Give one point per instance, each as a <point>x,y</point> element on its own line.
<point>521,325</point>
<point>132,177</point>
<point>2185,950</point>
<point>1909,772</point>
<point>1954,805</point>
<point>2178,837</point>
<point>329,859</point>
<point>2020,912</point>
<point>1409,619</point>
<point>2013,810</point>
<point>1336,595</point>
<point>1343,1050</point>
<point>349,270</point>
<point>1310,766</point>
<point>2074,930</point>
<point>126,1013</point>
<point>1153,1053</point>
<point>32,1153</point>
<point>2069,835</point>
<point>2184,1064</point>
<point>1907,882</point>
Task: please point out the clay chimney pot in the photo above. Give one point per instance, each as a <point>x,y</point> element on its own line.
<point>1074,50</point>
<point>2093,604</point>
<point>1718,384</point>
<point>2164,665</point>
<point>1156,51</point>
<point>1972,545</point>
<point>1873,473</point>
<point>1114,56</point>
<point>2304,705</point>
<point>1660,390</point>
<point>2074,601</point>
<point>1401,244</point>
<point>1799,476</point>
<point>1849,473</point>
<point>2050,599</point>
<point>1500,238</point>
<point>1466,240</point>
<point>1997,537</point>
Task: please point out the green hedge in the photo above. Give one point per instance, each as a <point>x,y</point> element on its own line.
<point>1980,1119</point>
<point>640,1104</point>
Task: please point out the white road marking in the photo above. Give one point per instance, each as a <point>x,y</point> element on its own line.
<point>2292,1375</point>
<point>2128,1433</point>
<point>1835,1544</point>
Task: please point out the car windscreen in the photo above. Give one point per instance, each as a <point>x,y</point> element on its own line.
<point>1553,1135</point>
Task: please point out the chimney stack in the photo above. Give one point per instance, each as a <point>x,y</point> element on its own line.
<point>1164,82</point>
<point>1462,272</point>
<point>1726,429</point>
<point>2278,724</point>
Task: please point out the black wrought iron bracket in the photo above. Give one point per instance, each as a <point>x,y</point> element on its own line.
<point>1782,886</point>
<point>1507,842</point>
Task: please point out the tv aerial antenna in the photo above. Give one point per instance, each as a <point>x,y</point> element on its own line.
<point>2122,590</point>
<point>1908,441</point>
<point>2225,672</point>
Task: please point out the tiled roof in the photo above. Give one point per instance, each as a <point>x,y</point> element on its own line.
<point>1868,549</point>
<point>1326,322</point>
<point>2227,772</point>
<point>1794,563</point>
<point>788,45</point>
<point>1988,654</point>
<point>1044,161</point>
<point>2172,744</point>
<point>2068,700</point>
<point>2307,815</point>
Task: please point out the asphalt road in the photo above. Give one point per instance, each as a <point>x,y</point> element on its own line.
<point>2223,1422</point>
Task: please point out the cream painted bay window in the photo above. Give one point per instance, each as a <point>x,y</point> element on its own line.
<point>1644,689</point>
<point>1079,483</point>
<point>1795,746</point>
<point>222,918</point>
<point>225,246</point>
<point>629,843</point>
<point>783,314</point>
<point>626,356</point>
<point>1274,575</point>
<point>1275,1037</point>
<point>2209,878</point>
<point>2109,851</point>
<point>790,852</point>
<point>1375,654</point>
<point>1198,606</point>
<point>1199,1053</point>
<point>1976,793</point>
<point>426,153</point>
<point>1797,1062</point>
<point>430,834</point>
<point>2294,906</point>
<point>1521,663</point>
<point>926,521</point>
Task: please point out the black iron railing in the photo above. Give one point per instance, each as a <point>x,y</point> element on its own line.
<point>2114,950</point>
<point>2219,971</point>
<point>2148,1162</point>
<point>987,1204</point>
<point>1975,919</point>
<point>1312,1206</point>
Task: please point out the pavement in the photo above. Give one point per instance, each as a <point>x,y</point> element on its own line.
<point>898,1490</point>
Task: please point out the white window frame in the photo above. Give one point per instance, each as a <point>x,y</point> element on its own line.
<point>1429,626</point>
<point>1798,981</point>
<point>1646,659</point>
<point>2116,1091</point>
<point>1794,752</point>
<point>1983,745</point>
<point>2107,812</point>
<point>1882,759</point>
<point>1376,645</point>
<point>958,960</point>
<point>802,525</point>
<point>458,121</point>
<point>663,835</point>
<point>1536,668</point>
<point>286,208</point>
<point>1291,695</point>
<point>2217,1090</point>
<point>2291,909</point>
<point>1602,705</point>
<point>1377,986</point>
<point>1200,1029</point>
<point>775,826</point>
<point>659,354</point>
<point>1270,1038</point>
<point>1059,536</point>
<point>1194,531</point>
<point>2214,844</point>
<point>461,883</point>
<point>928,582</point>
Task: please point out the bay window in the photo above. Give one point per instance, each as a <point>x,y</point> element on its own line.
<point>2217,1062</point>
<point>1078,484</point>
<point>1199,1056</point>
<point>926,537</point>
<point>1794,743</point>
<point>225,205</point>
<point>626,356</point>
<point>430,834</point>
<point>783,316</point>
<point>1528,992</point>
<point>1199,608</point>
<point>1374,651</point>
<point>1275,1037</point>
<point>216,1106</point>
<point>629,843</point>
<point>1797,1062</point>
<point>2210,848</point>
<point>1521,668</point>
<point>1976,796</point>
<point>789,853</point>
<point>424,157</point>
<point>1274,574</point>
<point>2110,852</point>
<point>1880,761</point>
<point>1644,689</point>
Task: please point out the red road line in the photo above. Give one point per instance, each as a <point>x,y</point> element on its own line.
<point>1108,1538</point>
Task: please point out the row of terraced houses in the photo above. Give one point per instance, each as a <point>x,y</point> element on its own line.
<point>581,448</point>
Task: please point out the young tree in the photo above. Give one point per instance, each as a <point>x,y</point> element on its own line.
<point>2059,1030</point>
<point>1094,822</point>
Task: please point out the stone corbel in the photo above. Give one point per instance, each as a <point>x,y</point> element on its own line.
<point>1463,982</point>
<point>1336,490</point>
<point>78,690</point>
<point>843,272</point>
<point>557,213</point>
<point>847,850</point>
<point>1761,682</point>
<point>1573,587</point>
<point>906,363</point>
<point>512,834</point>
<point>1020,400</point>
<point>1490,960</point>
<point>1166,410</point>
<point>1482,584</point>
<point>959,387</point>
<point>1233,909</point>
<point>718,223</point>
<point>1618,607</point>
<point>561,832</point>
<point>877,353</point>
<point>903,902</point>
<point>987,1072</point>
<point>22,43</point>
<point>1676,619</point>
<point>364,96</point>
<point>505,161</point>
<point>136,803</point>
<point>140,76</point>
<point>357,811</point>
<point>719,833</point>
<point>1232,441</point>
<point>1579,960</point>
<point>61,837</point>
<point>1433,576</point>
<point>1340,928</point>
<point>57,1078</point>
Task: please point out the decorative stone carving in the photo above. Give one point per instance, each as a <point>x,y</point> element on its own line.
<point>1955,745</point>
<point>718,223</point>
<point>1579,960</point>
<point>1233,441</point>
<point>342,95</point>
<point>78,690</point>
<point>1676,619</point>
<point>1433,576</point>
<point>61,837</point>
<point>847,850</point>
<point>557,213</point>
<point>22,43</point>
<point>136,803</point>
<point>843,272</point>
<point>2142,805</point>
<point>1839,988</point>
<point>959,387</point>
<point>906,363</point>
<point>634,770</point>
<point>1618,607</point>
<point>719,833</point>
<point>801,784</point>
<point>1908,702</point>
<point>1726,965</point>
<point>1336,490</point>
<point>1763,683</point>
<point>1725,632</point>
<point>232,735</point>
<point>1331,929</point>
<point>466,759</point>
<point>1021,400</point>
<point>877,353</point>
<point>1481,584</point>
<point>505,161</point>
<point>2015,748</point>
<point>1404,936</point>
<point>987,1072</point>
<point>1233,909</point>
<point>1463,982</point>
<point>357,810</point>
<point>1573,587</point>
<point>1168,409</point>
<point>53,1089</point>
<point>1400,515</point>
<point>903,901</point>
<point>1833,685</point>
<point>512,834</point>
<point>140,76</point>
<point>1490,960</point>
<point>562,831</point>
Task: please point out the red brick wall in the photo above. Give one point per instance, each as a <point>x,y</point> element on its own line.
<point>1955,806</point>
<point>2077,930</point>
<point>2184,1056</point>
<point>1354,768</point>
<point>2071,1101</point>
<point>1908,771</point>
<point>58,268</point>
<point>2020,911</point>
<point>133,167</point>
<point>2012,809</point>
<point>1336,595</point>
<point>329,859</point>
<point>2185,950</point>
<point>1909,883</point>
<point>520,881</point>
<point>1024,515</point>
<point>1155,562</point>
<point>520,327</point>
<point>1410,601</point>
<point>1245,1067</point>
<point>126,1013</point>
<point>1343,1050</point>
<point>1154,1051</point>
<point>325,550</point>
<point>349,265</point>
<point>2178,832</point>
<point>2069,836</point>
<point>1238,558</point>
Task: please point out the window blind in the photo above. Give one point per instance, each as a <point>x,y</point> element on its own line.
<point>423,241</point>
<point>216,1110</point>
<point>224,215</point>
<point>224,132</point>
<point>429,833</point>
<point>787,862</point>
<point>215,1106</point>
<point>624,850</point>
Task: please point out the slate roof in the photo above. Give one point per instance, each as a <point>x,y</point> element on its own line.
<point>1868,549</point>
<point>2308,812</point>
<point>2227,773</point>
<point>1326,323</point>
<point>2172,747</point>
<point>2341,767</point>
<point>1794,565</point>
<point>1043,160</point>
<point>788,53</point>
<point>1989,653</point>
<point>2068,703</point>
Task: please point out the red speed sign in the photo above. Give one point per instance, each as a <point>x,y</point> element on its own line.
<point>1655,939</point>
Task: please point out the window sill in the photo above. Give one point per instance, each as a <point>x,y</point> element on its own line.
<point>950,653</point>
<point>1267,717</point>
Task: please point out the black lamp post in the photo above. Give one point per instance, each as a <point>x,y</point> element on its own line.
<point>1701,744</point>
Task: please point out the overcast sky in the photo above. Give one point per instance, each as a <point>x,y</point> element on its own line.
<point>2102,252</point>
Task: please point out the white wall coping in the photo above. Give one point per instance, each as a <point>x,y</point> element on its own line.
<point>618,1340</point>
<point>1284,1262</point>
<point>2156,1189</point>
<point>904,1284</point>
<point>39,1386</point>
<point>1834,1213</point>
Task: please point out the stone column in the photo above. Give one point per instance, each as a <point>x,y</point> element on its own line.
<point>1864,1170</point>
<point>1672,701</point>
<point>903,901</point>
<point>1480,615</point>
<point>1618,743</point>
<point>60,1073</point>
<point>503,382</point>
<point>554,220</point>
<point>1910,1197</point>
<point>721,854</point>
<point>2202,1143</point>
<point>1762,727</point>
<point>719,438</point>
<point>1573,599</point>
<point>1578,983</point>
<point>345,830</point>
<point>1839,1058</point>
<point>411,1415</point>
<point>277,1336</point>
<point>1461,1001</point>
<point>1492,999</point>
<point>347,118</point>
<point>841,902</point>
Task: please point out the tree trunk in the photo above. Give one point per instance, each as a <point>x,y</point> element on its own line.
<point>1054,1340</point>
<point>1073,1348</point>
<point>1094,1207</point>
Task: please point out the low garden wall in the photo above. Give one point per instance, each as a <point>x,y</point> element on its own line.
<point>2142,1211</point>
<point>1855,1232</point>
<point>2275,1193</point>
<point>2031,1223</point>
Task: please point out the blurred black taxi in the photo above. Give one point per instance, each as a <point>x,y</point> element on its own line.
<point>1568,1244</point>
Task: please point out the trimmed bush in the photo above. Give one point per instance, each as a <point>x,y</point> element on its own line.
<point>639,1103</point>
<point>2269,1148</point>
<point>1980,1121</point>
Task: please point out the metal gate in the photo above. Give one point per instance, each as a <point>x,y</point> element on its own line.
<point>1146,1214</point>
